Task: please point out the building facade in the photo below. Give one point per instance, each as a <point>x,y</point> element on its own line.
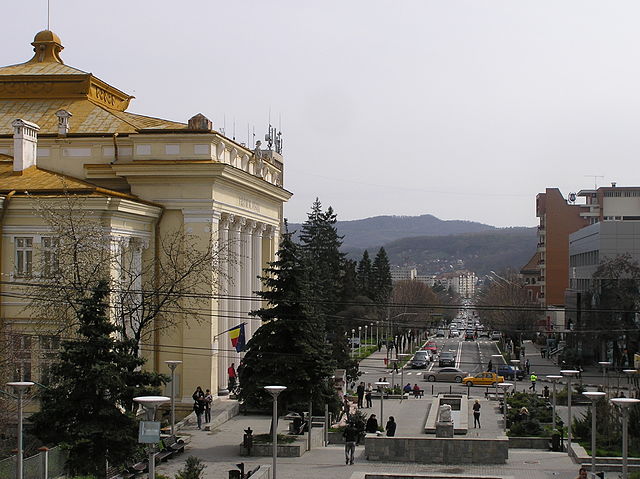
<point>145,178</point>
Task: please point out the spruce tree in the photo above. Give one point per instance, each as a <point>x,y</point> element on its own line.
<point>289,348</point>
<point>381,285</point>
<point>364,275</point>
<point>323,261</point>
<point>92,381</point>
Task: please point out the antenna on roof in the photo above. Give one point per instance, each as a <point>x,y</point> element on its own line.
<point>48,14</point>
<point>595,180</point>
<point>234,128</point>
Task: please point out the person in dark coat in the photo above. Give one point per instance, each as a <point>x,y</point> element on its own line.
<point>391,427</point>
<point>360,394</point>
<point>351,436</point>
<point>198,405</point>
<point>372,424</point>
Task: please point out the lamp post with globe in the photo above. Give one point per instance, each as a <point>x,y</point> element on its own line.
<point>20,387</point>
<point>554,380</point>
<point>381,385</point>
<point>569,374</point>
<point>173,365</point>
<point>593,396</point>
<point>515,363</point>
<point>505,389</point>
<point>149,429</point>
<point>624,404</point>
<point>605,378</point>
<point>275,392</point>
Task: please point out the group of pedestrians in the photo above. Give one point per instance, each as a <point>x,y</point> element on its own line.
<point>364,394</point>
<point>202,405</point>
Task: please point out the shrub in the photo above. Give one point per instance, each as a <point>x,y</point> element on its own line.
<point>193,469</point>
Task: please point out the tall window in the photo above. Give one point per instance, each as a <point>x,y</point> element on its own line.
<point>50,264</point>
<point>24,256</point>
<point>22,357</point>
<point>49,350</point>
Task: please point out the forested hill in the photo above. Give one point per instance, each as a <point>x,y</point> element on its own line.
<point>380,230</point>
<point>481,252</point>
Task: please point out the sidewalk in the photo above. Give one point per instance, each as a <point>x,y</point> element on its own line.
<point>219,449</point>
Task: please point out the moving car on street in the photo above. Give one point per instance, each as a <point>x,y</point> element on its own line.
<point>509,372</point>
<point>483,379</point>
<point>446,358</point>
<point>420,360</point>
<point>446,375</point>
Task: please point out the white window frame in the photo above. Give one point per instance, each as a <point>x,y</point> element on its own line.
<point>23,256</point>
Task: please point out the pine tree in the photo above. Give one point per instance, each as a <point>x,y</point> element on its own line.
<point>323,261</point>
<point>381,285</point>
<point>289,348</point>
<point>92,381</point>
<point>364,275</point>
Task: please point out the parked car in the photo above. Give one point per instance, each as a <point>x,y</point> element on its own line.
<point>446,374</point>
<point>509,372</point>
<point>496,335</point>
<point>469,336</point>
<point>483,379</point>
<point>446,358</point>
<point>420,360</point>
<point>454,333</point>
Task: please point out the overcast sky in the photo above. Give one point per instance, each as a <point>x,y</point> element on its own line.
<point>460,109</point>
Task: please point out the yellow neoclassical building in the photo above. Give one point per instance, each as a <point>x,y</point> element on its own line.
<point>62,131</point>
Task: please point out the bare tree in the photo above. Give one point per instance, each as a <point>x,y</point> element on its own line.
<point>506,306</point>
<point>152,286</point>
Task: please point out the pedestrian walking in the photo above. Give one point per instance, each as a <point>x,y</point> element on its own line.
<point>533,378</point>
<point>351,436</point>
<point>372,424</point>
<point>527,366</point>
<point>208,399</point>
<point>545,392</point>
<point>391,427</point>
<point>367,395</point>
<point>360,394</point>
<point>198,405</point>
<point>476,414</point>
<point>490,365</point>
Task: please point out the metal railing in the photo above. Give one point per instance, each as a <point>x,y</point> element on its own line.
<point>47,464</point>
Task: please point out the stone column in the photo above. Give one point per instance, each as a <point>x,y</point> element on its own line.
<point>245,272</point>
<point>234,311</point>
<point>256,271</point>
<point>223,303</point>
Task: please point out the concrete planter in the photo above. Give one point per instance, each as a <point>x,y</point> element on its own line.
<point>529,443</point>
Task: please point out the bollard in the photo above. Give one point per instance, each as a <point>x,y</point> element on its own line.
<point>432,389</point>
<point>449,388</point>
<point>44,457</point>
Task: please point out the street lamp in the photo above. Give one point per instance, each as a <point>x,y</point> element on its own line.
<point>624,404</point>
<point>150,403</point>
<point>366,334</point>
<point>20,387</point>
<point>554,379</point>
<point>353,342</point>
<point>173,365</point>
<point>505,388</point>
<point>515,363</point>
<point>275,391</point>
<point>359,337</point>
<point>381,385</point>
<point>605,378</point>
<point>569,374</point>
<point>594,396</point>
<point>630,378</point>
<point>496,357</point>
<point>402,356</point>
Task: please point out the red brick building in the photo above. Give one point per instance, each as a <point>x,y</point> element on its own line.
<point>558,219</point>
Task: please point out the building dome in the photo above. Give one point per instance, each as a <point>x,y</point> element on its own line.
<point>46,36</point>
<point>47,47</point>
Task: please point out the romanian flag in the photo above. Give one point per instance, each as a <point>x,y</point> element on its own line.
<point>237,337</point>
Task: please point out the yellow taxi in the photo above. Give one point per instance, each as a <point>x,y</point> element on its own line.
<point>483,379</point>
